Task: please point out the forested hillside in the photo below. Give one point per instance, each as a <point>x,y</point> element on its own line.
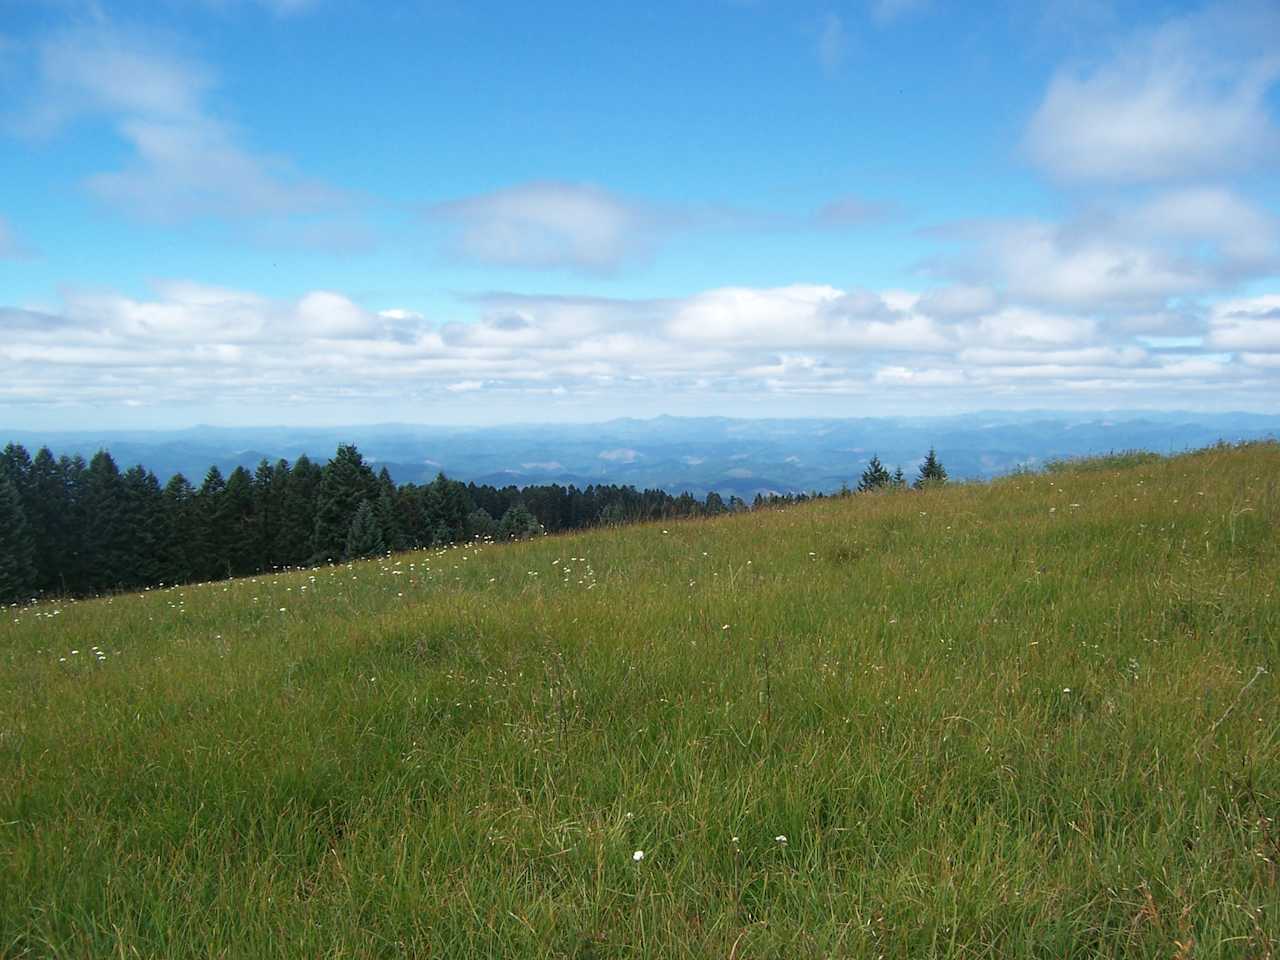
<point>1036,718</point>
<point>71,528</point>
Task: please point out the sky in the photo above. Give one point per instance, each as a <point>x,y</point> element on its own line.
<point>322,212</point>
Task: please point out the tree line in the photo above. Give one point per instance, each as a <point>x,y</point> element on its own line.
<point>73,528</point>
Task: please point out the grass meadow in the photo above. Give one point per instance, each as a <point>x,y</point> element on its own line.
<point>1032,718</point>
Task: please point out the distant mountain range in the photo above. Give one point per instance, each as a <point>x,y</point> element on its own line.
<point>697,454</point>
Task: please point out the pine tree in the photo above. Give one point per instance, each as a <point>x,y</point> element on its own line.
<point>214,527</point>
<point>298,514</point>
<point>518,523</point>
<point>269,483</point>
<point>874,477</point>
<point>899,480</point>
<point>48,514</point>
<point>385,512</point>
<point>106,550</point>
<point>17,571</point>
<point>143,518</point>
<point>364,536</point>
<point>932,473</point>
<point>76,554</point>
<point>182,552</point>
<point>346,482</point>
<point>480,523</point>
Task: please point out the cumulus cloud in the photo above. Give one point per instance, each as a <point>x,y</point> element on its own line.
<point>885,11</point>
<point>11,248</point>
<point>788,317</point>
<point>1188,99</point>
<point>1132,257</point>
<point>833,43</point>
<point>620,455</point>
<point>195,343</point>
<point>850,211</point>
<point>1246,324</point>
<point>184,161</point>
<point>549,224</point>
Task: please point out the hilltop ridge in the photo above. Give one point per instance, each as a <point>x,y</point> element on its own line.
<point>1030,718</point>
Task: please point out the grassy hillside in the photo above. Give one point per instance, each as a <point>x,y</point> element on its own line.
<point>1033,718</point>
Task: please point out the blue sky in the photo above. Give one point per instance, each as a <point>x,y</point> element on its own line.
<point>323,211</point>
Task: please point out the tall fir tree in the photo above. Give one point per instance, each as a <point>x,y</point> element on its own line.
<point>518,523</point>
<point>364,535</point>
<point>388,517</point>
<point>346,482</point>
<point>874,477</point>
<point>106,537</point>
<point>241,534</point>
<point>298,513</point>
<point>77,577</point>
<point>142,514</point>
<point>15,463</point>
<point>931,473</point>
<point>182,555</point>
<point>48,516</point>
<point>214,527</point>
<point>269,484</point>
<point>17,571</point>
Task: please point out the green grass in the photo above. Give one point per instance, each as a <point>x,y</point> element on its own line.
<point>1036,718</point>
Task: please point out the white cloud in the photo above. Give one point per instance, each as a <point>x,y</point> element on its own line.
<point>833,43</point>
<point>1132,257</point>
<point>1024,326</point>
<point>184,161</point>
<point>549,224</point>
<point>1188,99</point>
<point>885,11</point>
<point>11,248</point>
<point>1244,235</point>
<point>959,301</point>
<point>193,344</point>
<point>850,211</point>
<point>620,455</point>
<point>905,376</point>
<point>1246,324</point>
<point>801,315</point>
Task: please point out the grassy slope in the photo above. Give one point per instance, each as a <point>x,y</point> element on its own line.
<point>1022,719</point>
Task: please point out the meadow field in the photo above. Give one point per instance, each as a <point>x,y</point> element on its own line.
<point>1032,718</point>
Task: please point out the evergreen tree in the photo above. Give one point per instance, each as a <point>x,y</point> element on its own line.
<point>899,479</point>
<point>364,535</point>
<point>15,463</point>
<point>518,523</point>
<point>106,550</point>
<point>241,534</point>
<point>182,553</point>
<point>480,523</point>
<point>346,482</point>
<point>386,514</point>
<point>714,504</point>
<point>931,471</point>
<point>142,515</point>
<point>48,511</point>
<point>298,514</point>
<point>269,485</point>
<point>874,477</point>
<point>76,571</point>
<point>214,528</point>
<point>446,504</point>
<point>17,571</point>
